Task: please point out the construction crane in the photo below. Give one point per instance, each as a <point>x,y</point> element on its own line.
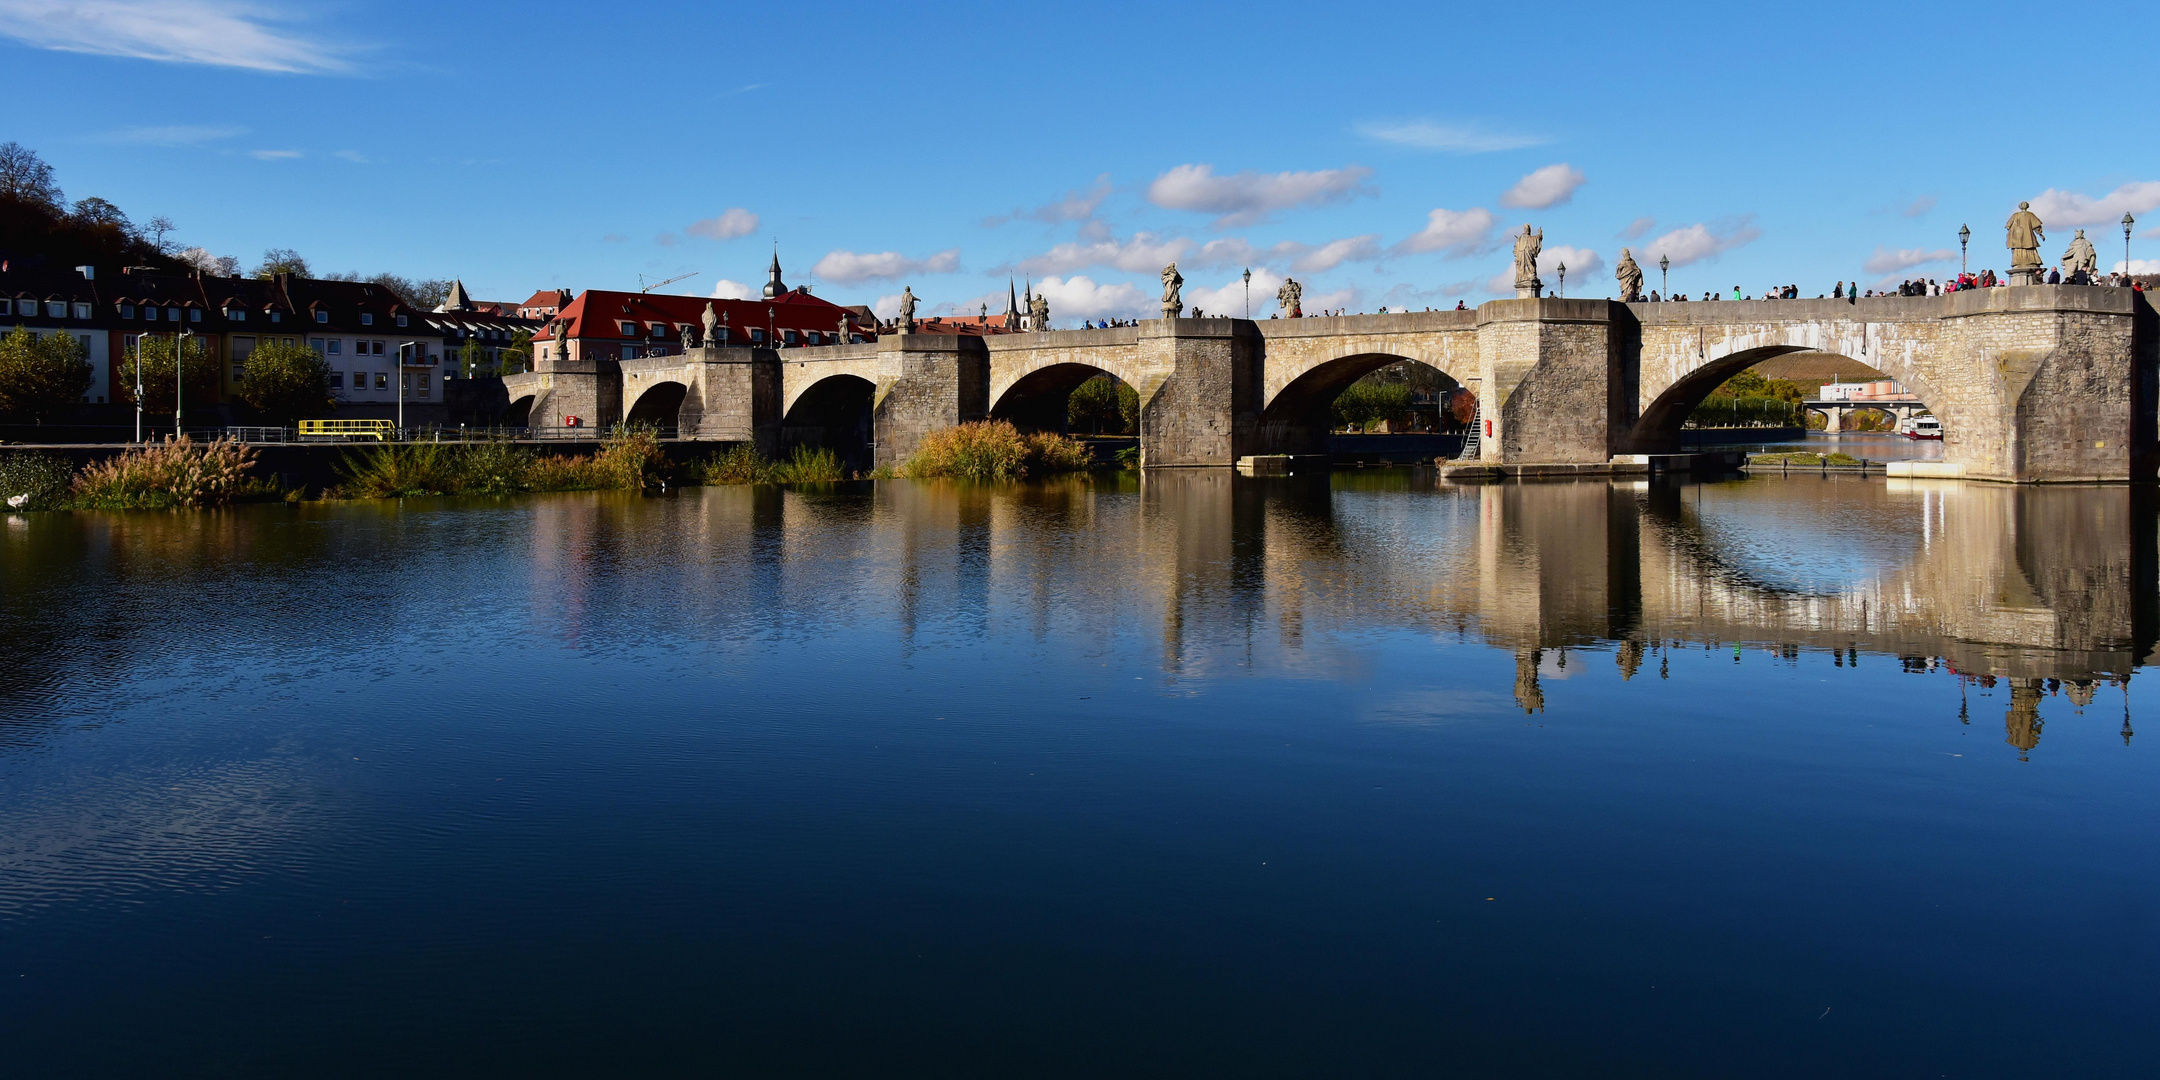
<point>644,288</point>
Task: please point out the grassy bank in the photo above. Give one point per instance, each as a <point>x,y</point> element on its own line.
<point>994,450</point>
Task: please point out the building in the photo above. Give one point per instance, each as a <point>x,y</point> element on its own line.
<point>605,325</point>
<point>476,333</point>
<point>61,302</point>
<point>543,305</point>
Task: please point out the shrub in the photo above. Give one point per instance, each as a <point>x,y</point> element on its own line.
<point>493,468</point>
<point>994,450</point>
<point>631,459</point>
<point>396,470</point>
<point>808,466</point>
<point>41,481</point>
<point>41,376</point>
<point>286,382</point>
<point>177,472</point>
<point>552,472</point>
<point>739,464</point>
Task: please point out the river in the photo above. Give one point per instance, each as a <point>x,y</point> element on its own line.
<point>1351,775</point>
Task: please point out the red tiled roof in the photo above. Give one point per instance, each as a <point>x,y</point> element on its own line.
<point>598,313</point>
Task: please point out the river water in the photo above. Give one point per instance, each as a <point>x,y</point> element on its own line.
<point>1363,775</point>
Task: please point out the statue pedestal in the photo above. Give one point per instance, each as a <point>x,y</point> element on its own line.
<point>1531,291</point>
<point>2025,275</point>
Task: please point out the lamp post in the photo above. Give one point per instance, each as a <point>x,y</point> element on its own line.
<point>1664,278</point>
<point>179,364</point>
<point>405,352</point>
<point>2127,222</point>
<point>138,386</point>
<point>1248,290</point>
<point>1562,290</point>
<point>1964,238</point>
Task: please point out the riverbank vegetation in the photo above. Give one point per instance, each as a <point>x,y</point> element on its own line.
<point>1750,400</point>
<point>630,459</point>
<point>1803,457</point>
<point>742,464</point>
<point>994,450</point>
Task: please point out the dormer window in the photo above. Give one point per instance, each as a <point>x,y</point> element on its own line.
<point>26,307</point>
<point>56,309</point>
<point>277,316</point>
<point>629,329</point>
<point>82,311</point>
<point>127,311</point>
<point>194,314</point>
<point>367,318</point>
<point>659,329</point>
<point>322,317</point>
<point>401,320</point>
<point>172,314</point>
<point>236,314</point>
<point>757,334</point>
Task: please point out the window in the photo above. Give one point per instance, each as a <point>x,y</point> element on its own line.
<point>241,347</point>
<point>337,380</point>
<point>382,380</point>
<point>194,314</point>
<point>26,307</point>
<point>236,314</point>
<point>401,320</point>
<point>788,336</point>
<point>629,329</point>
<point>629,352</point>
<point>315,343</point>
<point>322,317</point>
<point>127,343</point>
<point>378,348</point>
<point>337,345</point>
<point>757,335</point>
<point>276,316</point>
<point>423,382</point>
<point>55,309</point>
<point>82,311</point>
<point>172,314</point>
<point>659,329</point>
<point>367,318</point>
<point>127,311</point>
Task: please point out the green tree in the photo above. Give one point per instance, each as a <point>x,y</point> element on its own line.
<point>286,382</point>
<point>153,360</point>
<point>1103,405</point>
<point>282,261</point>
<point>41,375</point>
<point>517,357</point>
<point>1368,400</point>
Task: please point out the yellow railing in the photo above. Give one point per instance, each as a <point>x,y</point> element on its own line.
<point>379,430</point>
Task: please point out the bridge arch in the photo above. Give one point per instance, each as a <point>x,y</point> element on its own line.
<point>833,413</point>
<point>1657,427</point>
<point>1039,399</point>
<point>1299,418</point>
<point>658,404</point>
<point>519,412</point>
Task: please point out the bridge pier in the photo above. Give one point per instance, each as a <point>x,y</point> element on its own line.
<point>1200,410</point>
<point>926,382</point>
<point>1550,370</point>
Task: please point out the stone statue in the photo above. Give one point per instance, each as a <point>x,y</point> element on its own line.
<point>1527,246</point>
<point>562,339</point>
<point>1173,292</point>
<point>689,338</point>
<point>1290,298</point>
<point>1630,276</point>
<point>907,309</point>
<point>2081,257</point>
<point>2026,232</point>
<point>1039,308</point>
<point>712,324</point>
<point>844,336</point>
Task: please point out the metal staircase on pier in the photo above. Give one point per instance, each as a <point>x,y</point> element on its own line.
<point>1470,444</point>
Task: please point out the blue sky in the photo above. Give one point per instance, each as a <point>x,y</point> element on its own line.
<point>1378,153</point>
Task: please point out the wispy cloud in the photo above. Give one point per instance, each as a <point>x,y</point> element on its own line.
<point>1581,264</point>
<point>354,156</point>
<point>1917,207</point>
<point>731,223</point>
<point>168,134</point>
<point>1244,198</point>
<point>848,267</point>
<point>729,289</point>
<point>1638,228</point>
<point>276,155</point>
<point>1887,261</point>
<point>1694,243</point>
<point>1457,232</point>
<point>219,33</point>
<point>1451,138</point>
<point>1075,205</point>
<point>1549,186</point>
<point>1079,297</point>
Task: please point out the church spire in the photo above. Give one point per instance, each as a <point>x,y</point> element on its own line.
<point>774,287</point>
<point>1012,306</point>
<point>457,300</point>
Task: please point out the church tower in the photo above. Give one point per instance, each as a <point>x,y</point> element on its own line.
<point>774,287</point>
<point>1012,307</point>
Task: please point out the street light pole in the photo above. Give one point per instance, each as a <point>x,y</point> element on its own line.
<point>1664,265</point>
<point>1248,289</point>
<point>1964,237</point>
<point>1562,290</point>
<point>138,385</point>
<point>2128,221</point>
<point>179,366</point>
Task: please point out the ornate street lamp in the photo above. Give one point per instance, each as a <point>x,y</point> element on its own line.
<point>1964,238</point>
<point>1664,264</point>
<point>1248,292</point>
<point>1562,290</point>
<point>179,357</point>
<point>2127,222</point>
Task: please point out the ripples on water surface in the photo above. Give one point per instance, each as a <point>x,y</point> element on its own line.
<point>1784,777</point>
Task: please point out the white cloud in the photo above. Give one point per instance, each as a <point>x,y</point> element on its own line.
<point>1918,206</point>
<point>1247,197</point>
<point>1502,283</point>
<point>1886,261</point>
<point>1549,186</point>
<point>2139,266</point>
<point>1230,299</point>
<point>725,289</point>
<point>1638,228</point>
<point>167,134</point>
<point>1457,232</point>
<point>1334,253</point>
<point>1079,297</point>
<point>1076,205</point>
<point>2057,207</point>
<point>1145,253</point>
<point>732,222</point>
<point>1427,135</point>
<point>1694,243</point>
<point>1582,267</point>
<point>1348,299</point>
<point>354,156</point>
<point>884,307</point>
<point>848,267</point>
<point>220,33</point>
<point>274,155</point>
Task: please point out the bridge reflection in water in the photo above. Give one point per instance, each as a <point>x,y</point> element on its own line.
<point>2049,590</point>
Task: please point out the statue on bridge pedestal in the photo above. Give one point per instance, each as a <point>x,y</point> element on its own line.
<point>1291,299</point>
<point>712,325</point>
<point>1039,312</point>
<point>562,339</point>
<point>1630,276</point>
<point>689,338</point>
<point>2025,234</point>
<point>907,309</point>
<point>845,333</point>
<point>2081,258</point>
<point>1173,292</point>
<point>1527,246</point>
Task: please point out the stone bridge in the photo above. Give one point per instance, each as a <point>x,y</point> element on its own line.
<point>2034,383</point>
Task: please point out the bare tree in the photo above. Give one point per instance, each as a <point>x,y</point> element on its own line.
<point>155,233</point>
<point>25,177</point>
<point>282,261</point>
